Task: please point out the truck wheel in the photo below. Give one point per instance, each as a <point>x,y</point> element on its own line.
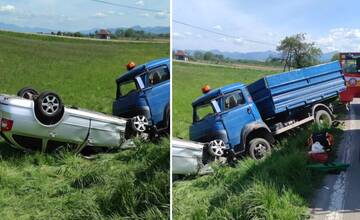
<point>258,148</point>
<point>139,123</point>
<point>217,148</point>
<point>323,117</point>
<point>28,93</point>
<point>48,108</point>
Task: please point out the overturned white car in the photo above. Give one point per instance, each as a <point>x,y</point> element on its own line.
<point>188,158</point>
<point>32,121</point>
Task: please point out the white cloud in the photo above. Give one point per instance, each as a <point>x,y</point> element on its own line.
<point>341,39</point>
<point>145,14</point>
<point>161,14</point>
<point>218,27</point>
<point>238,41</point>
<point>7,8</point>
<point>223,39</point>
<point>140,3</point>
<point>177,35</point>
<point>100,15</point>
<point>188,33</point>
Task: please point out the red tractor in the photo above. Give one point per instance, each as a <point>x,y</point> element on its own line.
<point>350,63</point>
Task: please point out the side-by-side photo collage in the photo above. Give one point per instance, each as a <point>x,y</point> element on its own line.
<point>169,109</point>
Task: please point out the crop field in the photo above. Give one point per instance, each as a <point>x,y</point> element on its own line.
<point>279,187</point>
<point>188,80</point>
<point>129,184</point>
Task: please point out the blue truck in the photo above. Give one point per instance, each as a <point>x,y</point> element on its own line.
<point>143,94</point>
<point>237,119</point>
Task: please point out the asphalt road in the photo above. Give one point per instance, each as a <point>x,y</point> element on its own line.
<point>339,197</point>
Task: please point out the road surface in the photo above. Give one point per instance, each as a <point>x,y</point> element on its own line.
<point>339,197</point>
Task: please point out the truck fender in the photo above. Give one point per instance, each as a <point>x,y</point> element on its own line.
<point>320,106</point>
<point>251,129</point>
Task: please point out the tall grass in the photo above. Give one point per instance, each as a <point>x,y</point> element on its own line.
<point>278,187</point>
<point>129,184</point>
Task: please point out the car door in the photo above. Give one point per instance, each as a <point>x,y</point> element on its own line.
<point>235,115</point>
<point>128,95</point>
<point>157,92</point>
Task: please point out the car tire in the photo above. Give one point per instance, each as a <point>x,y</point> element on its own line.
<point>322,117</point>
<point>259,148</point>
<point>49,108</point>
<point>28,93</point>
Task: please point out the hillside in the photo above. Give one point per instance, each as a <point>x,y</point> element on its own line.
<point>127,184</point>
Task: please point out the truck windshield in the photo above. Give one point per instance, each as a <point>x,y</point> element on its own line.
<point>127,88</point>
<point>204,111</point>
<point>352,65</point>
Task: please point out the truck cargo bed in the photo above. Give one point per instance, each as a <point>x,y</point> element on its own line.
<point>281,92</point>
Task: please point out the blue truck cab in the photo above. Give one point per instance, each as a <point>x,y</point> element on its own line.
<point>224,117</point>
<point>143,94</point>
<point>240,118</point>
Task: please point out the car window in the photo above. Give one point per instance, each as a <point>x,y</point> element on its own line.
<point>158,75</point>
<point>204,111</point>
<point>127,87</point>
<point>233,100</point>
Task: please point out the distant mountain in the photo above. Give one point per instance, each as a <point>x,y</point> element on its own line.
<point>153,30</point>
<point>258,56</point>
<point>11,27</point>
<point>326,57</point>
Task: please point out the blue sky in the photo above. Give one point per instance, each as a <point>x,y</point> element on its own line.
<point>332,25</point>
<point>82,14</point>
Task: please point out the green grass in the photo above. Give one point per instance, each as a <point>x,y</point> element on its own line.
<point>127,184</point>
<point>187,82</point>
<point>83,72</point>
<point>279,187</point>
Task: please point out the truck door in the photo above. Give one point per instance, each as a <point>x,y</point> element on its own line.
<point>157,92</point>
<point>236,113</point>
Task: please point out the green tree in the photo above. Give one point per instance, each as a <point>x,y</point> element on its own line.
<point>129,32</point>
<point>297,53</point>
<point>198,55</point>
<point>208,56</point>
<point>335,57</point>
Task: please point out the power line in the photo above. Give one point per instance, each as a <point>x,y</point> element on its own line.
<point>129,6</point>
<point>222,34</point>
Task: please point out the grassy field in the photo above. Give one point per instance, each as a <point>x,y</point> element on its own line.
<point>278,187</point>
<point>188,80</point>
<point>128,184</point>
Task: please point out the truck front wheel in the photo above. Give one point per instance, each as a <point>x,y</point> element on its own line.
<point>258,148</point>
<point>323,117</point>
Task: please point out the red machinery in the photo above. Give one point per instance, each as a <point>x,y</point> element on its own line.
<point>350,63</point>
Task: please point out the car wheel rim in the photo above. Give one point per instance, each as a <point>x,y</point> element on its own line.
<point>140,123</point>
<point>323,119</point>
<point>260,151</point>
<point>50,104</point>
<point>217,148</point>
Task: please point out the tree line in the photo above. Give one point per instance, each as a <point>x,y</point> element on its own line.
<point>118,34</point>
<point>294,52</point>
